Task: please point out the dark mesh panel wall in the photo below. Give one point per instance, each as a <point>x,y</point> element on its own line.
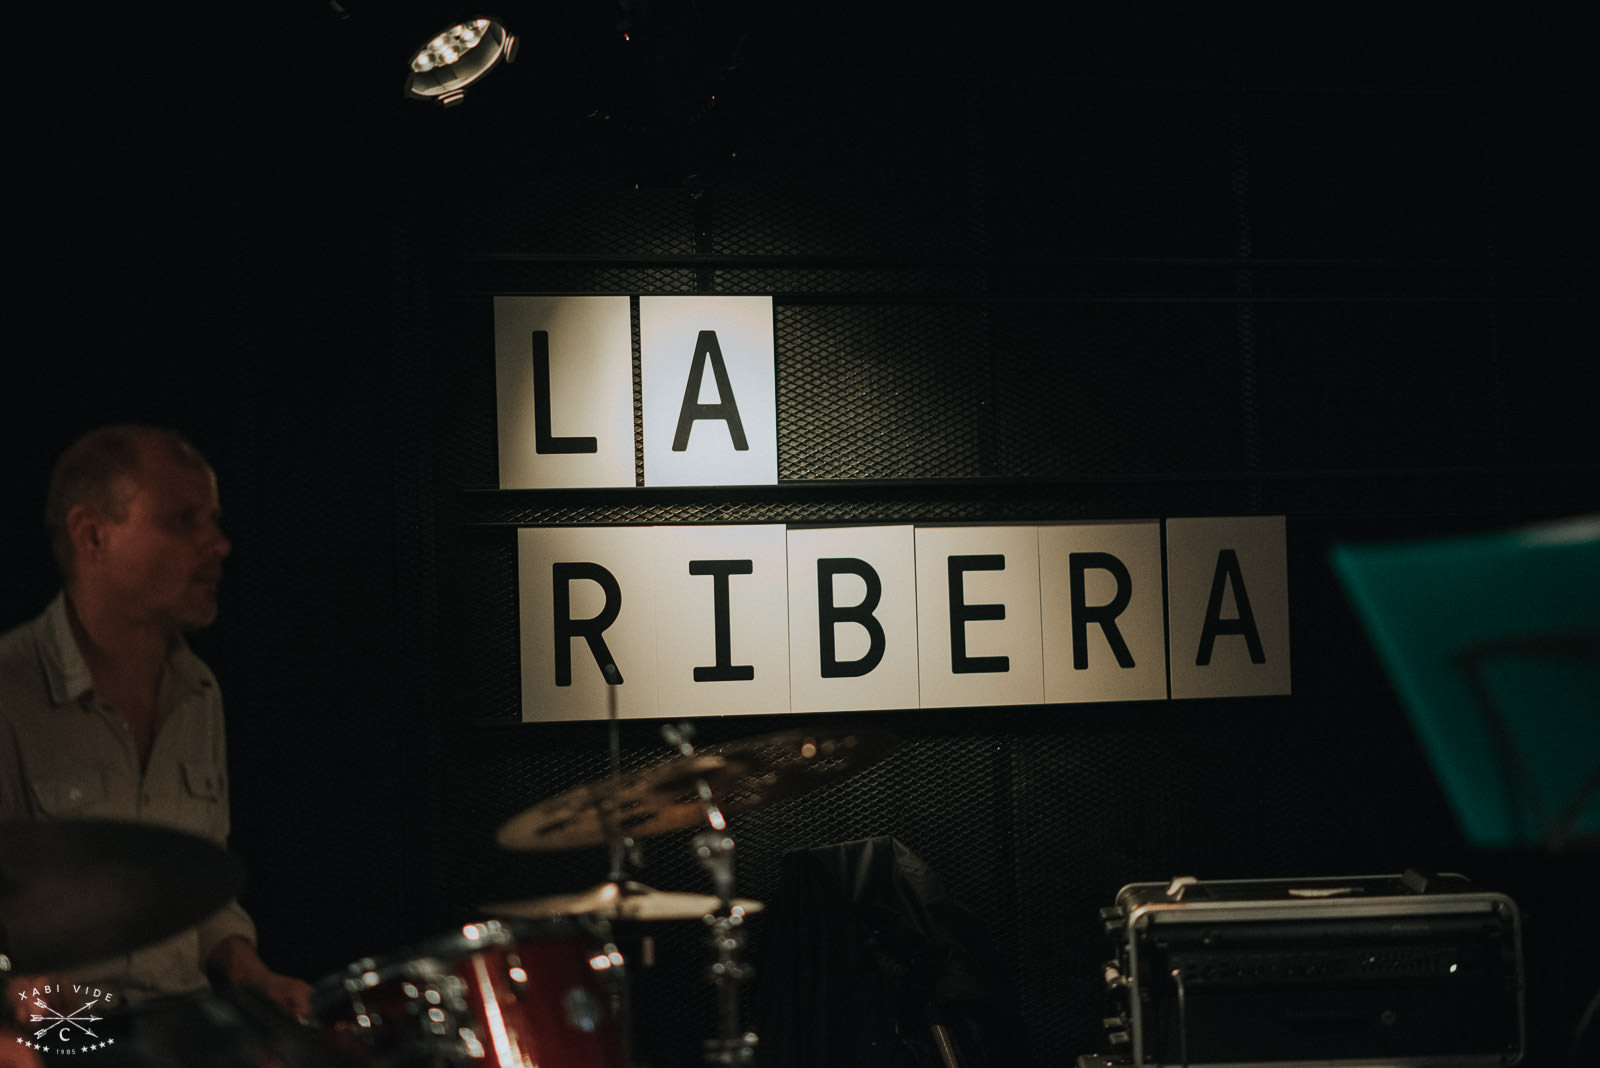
<point>1077,263</point>
<point>882,391</point>
<point>1009,336</point>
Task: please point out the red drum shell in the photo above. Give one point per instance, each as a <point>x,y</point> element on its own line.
<point>496,993</point>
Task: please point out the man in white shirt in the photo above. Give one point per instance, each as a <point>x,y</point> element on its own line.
<point>105,713</point>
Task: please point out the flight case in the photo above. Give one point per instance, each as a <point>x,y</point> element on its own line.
<point>1401,970</point>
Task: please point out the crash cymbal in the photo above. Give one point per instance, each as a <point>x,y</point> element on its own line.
<point>770,768</point>
<point>635,806</point>
<point>740,776</point>
<point>84,890</point>
<point>621,901</point>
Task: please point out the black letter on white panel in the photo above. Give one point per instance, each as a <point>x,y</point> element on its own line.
<point>961,612</point>
<point>590,630</point>
<point>543,441</point>
<point>727,409</point>
<point>830,615</point>
<point>724,670</point>
<point>1245,624</point>
<point>1105,615</point>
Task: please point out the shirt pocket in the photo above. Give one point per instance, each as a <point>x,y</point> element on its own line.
<point>202,783</point>
<point>72,795</point>
<point>202,799</point>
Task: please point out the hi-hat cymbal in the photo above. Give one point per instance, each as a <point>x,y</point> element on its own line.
<point>621,901</point>
<point>740,776</point>
<point>84,890</point>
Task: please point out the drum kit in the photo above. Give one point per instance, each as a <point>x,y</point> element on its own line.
<point>540,981</point>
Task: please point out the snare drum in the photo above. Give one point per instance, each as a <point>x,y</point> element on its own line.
<point>504,994</point>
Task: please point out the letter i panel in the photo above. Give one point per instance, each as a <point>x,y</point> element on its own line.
<point>1371,970</point>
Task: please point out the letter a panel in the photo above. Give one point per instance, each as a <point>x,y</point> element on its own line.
<point>1228,607</point>
<point>709,391</point>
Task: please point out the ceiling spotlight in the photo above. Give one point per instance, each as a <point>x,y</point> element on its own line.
<point>443,68</point>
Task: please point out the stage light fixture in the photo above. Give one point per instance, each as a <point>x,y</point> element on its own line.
<point>443,68</point>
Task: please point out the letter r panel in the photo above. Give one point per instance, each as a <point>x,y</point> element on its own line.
<point>1140,624</point>
<point>626,554</point>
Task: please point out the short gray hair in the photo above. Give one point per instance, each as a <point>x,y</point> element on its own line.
<point>98,471</point>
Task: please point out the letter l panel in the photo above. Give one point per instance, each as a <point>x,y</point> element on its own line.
<point>589,341</point>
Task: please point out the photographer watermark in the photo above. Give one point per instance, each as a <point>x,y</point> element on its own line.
<point>56,1031</point>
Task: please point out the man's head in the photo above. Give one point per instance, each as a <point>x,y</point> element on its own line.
<point>132,513</point>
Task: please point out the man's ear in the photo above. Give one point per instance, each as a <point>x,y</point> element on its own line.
<point>86,529</point>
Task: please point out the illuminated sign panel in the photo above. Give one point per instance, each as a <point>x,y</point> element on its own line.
<point>1104,622</point>
<point>721,620</point>
<point>722,623</point>
<point>741,619</point>
<point>853,619</point>
<point>564,391</point>
<point>1228,606</point>
<point>978,616</point>
<point>586,596</point>
<point>710,396</point>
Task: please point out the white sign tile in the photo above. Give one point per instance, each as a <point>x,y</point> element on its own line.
<point>978,620</point>
<point>852,618</point>
<point>722,620</point>
<point>1228,606</point>
<point>1103,611</point>
<point>709,391</point>
<point>564,392</point>
<point>587,601</point>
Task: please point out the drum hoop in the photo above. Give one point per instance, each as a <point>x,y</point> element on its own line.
<point>432,955</point>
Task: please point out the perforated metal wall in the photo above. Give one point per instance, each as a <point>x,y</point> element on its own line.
<point>941,358</point>
<point>1086,262</point>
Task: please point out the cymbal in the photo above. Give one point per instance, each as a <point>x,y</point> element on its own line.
<point>621,901</point>
<point>84,890</point>
<point>741,776</point>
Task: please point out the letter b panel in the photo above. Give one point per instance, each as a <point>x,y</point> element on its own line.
<point>847,587</point>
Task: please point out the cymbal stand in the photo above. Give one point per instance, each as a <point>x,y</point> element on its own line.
<point>622,849</point>
<point>713,847</point>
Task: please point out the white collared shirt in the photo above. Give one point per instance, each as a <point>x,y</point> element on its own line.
<point>66,755</point>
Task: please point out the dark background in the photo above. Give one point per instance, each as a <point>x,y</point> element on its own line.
<point>1029,262</point>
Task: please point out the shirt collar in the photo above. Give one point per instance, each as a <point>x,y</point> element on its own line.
<point>68,672</point>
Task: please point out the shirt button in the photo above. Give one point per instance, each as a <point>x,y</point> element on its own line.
<point>75,794</point>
